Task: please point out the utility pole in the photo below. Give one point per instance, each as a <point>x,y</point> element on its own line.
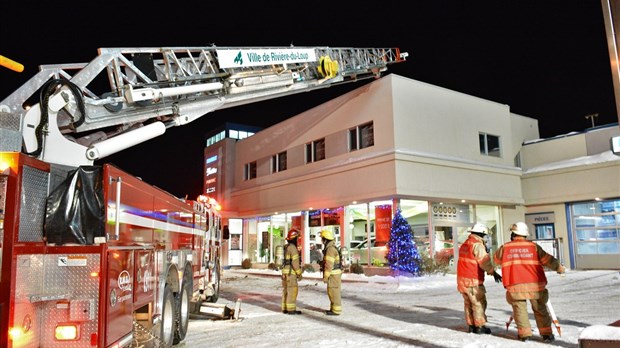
<point>591,117</point>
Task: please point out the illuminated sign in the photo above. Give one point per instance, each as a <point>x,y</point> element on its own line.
<point>211,173</point>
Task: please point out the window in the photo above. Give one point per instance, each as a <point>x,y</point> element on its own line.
<point>545,231</point>
<point>278,162</point>
<point>489,145</point>
<point>597,227</point>
<point>249,172</point>
<point>315,151</point>
<point>214,139</point>
<point>361,137</point>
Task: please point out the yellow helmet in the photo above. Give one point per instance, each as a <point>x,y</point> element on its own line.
<point>327,234</point>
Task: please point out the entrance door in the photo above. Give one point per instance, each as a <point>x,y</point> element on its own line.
<point>446,242</point>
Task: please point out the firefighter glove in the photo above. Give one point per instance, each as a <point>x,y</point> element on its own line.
<point>325,280</point>
<point>498,278</point>
<point>299,277</point>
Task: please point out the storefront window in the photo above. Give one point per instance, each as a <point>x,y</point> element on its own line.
<point>416,214</point>
<point>489,215</point>
<point>596,227</point>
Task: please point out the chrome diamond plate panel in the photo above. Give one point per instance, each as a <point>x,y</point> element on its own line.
<point>32,205</point>
<point>59,288</point>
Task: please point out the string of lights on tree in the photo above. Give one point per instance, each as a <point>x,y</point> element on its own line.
<point>403,254</point>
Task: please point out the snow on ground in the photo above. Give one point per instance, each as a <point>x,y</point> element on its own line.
<point>399,312</point>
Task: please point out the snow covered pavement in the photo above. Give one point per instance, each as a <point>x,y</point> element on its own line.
<point>398,312</point>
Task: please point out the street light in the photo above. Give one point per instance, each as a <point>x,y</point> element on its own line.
<point>591,117</point>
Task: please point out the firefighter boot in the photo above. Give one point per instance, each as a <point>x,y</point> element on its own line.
<point>548,338</point>
<point>482,330</point>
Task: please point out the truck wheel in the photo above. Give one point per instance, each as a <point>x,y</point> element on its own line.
<point>168,318</point>
<point>183,309</point>
<point>215,280</point>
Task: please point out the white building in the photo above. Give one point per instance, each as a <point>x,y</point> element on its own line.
<point>446,159</point>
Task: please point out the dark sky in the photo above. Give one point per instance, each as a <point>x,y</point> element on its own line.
<point>545,59</point>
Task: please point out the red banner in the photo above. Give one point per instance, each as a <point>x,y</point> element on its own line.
<point>296,222</point>
<point>383,224</point>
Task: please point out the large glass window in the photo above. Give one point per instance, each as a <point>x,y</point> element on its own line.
<point>597,227</point>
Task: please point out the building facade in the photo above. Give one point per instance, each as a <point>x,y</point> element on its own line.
<point>445,159</point>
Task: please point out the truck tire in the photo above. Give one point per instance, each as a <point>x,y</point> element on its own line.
<point>183,308</point>
<point>168,318</point>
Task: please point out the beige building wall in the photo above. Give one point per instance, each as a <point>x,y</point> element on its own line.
<point>569,169</point>
<point>426,147</point>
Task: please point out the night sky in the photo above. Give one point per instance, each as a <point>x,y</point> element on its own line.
<point>545,59</point>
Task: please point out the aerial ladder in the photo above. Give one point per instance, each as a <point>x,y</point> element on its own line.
<point>78,120</point>
<point>92,256</point>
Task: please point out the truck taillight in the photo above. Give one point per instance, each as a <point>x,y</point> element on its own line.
<point>15,333</point>
<point>67,332</point>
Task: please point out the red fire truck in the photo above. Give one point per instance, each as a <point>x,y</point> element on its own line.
<point>92,256</point>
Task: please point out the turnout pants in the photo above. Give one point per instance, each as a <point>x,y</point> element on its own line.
<point>475,299</point>
<point>289,292</point>
<point>333,292</point>
<point>541,314</point>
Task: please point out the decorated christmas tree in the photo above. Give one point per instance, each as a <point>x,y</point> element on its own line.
<point>403,254</point>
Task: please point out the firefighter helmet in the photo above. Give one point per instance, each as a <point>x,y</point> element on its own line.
<point>520,228</point>
<point>292,234</point>
<point>479,228</point>
<point>327,234</point>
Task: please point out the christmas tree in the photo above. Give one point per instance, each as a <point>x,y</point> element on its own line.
<point>403,253</point>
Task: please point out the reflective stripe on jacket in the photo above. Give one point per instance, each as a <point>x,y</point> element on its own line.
<point>473,262</point>
<point>331,258</point>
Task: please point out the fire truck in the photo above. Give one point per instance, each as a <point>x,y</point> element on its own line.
<point>93,256</point>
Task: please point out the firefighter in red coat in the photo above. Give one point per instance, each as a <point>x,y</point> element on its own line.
<point>474,261</point>
<point>291,273</point>
<point>524,278</point>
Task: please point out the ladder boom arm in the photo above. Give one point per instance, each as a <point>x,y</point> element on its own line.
<point>124,89</point>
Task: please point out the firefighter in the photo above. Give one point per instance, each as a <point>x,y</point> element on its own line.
<point>291,273</point>
<point>473,262</point>
<point>524,277</point>
<point>332,272</point>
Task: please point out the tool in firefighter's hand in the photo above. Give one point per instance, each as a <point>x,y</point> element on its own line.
<point>554,318</point>
<point>508,323</point>
<point>11,64</point>
<point>497,277</point>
